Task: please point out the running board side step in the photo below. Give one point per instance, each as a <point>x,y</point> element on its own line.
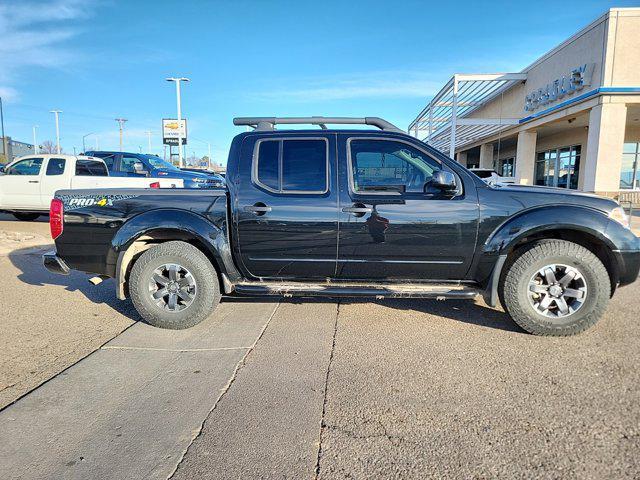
<point>439,291</point>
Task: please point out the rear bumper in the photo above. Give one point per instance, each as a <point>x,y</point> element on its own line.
<point>54,263</point>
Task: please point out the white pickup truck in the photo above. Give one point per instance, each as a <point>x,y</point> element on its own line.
<point>28,184</point>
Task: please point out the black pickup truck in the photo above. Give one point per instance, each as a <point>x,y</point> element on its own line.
<point>359,212</point>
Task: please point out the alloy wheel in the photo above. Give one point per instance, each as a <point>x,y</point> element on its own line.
<point>557,291</point>
<point>172,287</point>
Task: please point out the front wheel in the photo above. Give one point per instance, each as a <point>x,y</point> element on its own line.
<point>174,285</point>
<point>556,288</point>
<point>26,217</point>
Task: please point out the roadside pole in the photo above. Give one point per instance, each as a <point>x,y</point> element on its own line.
<point>177,81</point>
<point>121,126</point>
<point>4,138</point>
<point>56,113</point>
<point>84,148</point>
<point>35,142</point>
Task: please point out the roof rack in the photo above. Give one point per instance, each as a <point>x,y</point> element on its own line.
<point>269,123</point>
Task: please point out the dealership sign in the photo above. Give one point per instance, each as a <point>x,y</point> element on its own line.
<point>576,80</point>
<point>172,130</point>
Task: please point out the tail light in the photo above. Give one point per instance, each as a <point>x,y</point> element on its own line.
<point>155,185</point>
<point>56,217</point>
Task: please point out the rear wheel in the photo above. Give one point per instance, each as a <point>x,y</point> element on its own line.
<point>26,217</point>
<point>173,285</point>
<point>556,288</point>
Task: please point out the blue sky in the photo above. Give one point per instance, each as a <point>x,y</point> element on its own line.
<point>98,60</point>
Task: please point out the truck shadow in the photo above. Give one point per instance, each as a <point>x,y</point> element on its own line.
<point>31,271</point>
<point>28,262</point>
<point>465,311</point>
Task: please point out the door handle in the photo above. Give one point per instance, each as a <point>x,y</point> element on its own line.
<point>357,210</point>
<point>34,181</point>
<point>258,208</point>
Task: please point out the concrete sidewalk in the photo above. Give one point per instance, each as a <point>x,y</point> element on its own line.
<point>269,423</point>
<point>130,409</point>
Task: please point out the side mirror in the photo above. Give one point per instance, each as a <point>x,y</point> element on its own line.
<point>442,180</point>
<point>1,169</point>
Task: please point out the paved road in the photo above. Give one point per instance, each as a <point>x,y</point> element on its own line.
<point>49,321</point>
<point>427,390</point>
<point>130,409</point>
<point>393,389</point>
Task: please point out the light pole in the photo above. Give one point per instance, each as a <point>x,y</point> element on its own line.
<point>84,147</point>
<point>177,80</point>
<point>35,141</point>
<point>56,113</point>
<point>148,132</point>
<point>4,139</point>
<point>121,124</point>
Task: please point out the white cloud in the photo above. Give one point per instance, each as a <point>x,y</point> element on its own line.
<point>8,93</point>
<point>393,84</point>
<point>34,33</point>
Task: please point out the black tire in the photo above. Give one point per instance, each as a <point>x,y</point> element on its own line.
<point>26,217</point>
<point>521,304</point>
<point>206,290</point>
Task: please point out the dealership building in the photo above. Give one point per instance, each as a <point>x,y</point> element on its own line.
<point>571,119</point>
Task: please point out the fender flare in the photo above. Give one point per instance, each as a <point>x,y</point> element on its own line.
<point>125,243</point>
<point>547,218</point>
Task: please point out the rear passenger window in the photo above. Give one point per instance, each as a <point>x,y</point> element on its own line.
<point>108,159</point>
<point>91,168</point>
<point>268,164</point>
<point>292,165</point>
<point>304,165</point>
<point>55,166</point>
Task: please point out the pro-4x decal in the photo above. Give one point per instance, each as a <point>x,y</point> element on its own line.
<point>73,202</point>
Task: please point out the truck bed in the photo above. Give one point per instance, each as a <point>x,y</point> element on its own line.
<point>93,218</point>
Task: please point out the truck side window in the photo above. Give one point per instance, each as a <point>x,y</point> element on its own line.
<point>108,159</point>
<point>127,164</point>
<point>28,166</point>
<point>268,161</point>
<point>91,168</point>
<point>292,165</point>
<point>389,166</point>
<point>55,166</point>
<point>304,165</point>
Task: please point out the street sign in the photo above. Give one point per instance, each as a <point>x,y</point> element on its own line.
<point>171,130</point>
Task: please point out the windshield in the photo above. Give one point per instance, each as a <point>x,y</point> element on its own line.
<point>157,162</point>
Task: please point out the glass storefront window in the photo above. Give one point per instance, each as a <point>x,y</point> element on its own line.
<point>629,173</point>
<point>559,167</point>
<point>504,167</point>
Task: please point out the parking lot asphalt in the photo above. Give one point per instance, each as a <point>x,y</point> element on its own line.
<point>48,321</point>
<point>307,388</point>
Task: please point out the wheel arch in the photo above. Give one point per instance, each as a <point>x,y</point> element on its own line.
<point>159,226</point>
<point>582,225</point>
<point>590,241</point>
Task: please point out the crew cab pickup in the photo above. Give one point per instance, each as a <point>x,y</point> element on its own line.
<point>353,212</point>
<point>27,184</point>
